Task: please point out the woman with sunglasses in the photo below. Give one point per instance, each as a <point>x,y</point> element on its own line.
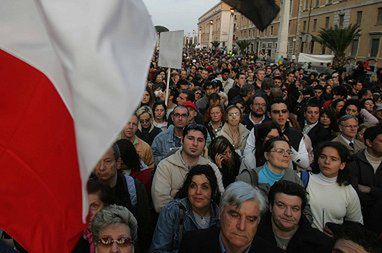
<point>331,197</point>
<point>146,129</point>
<point>195,207</point>
<point>233,130</point>
<point>114,229</point>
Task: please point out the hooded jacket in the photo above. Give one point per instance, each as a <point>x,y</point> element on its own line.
<point>170,176</point>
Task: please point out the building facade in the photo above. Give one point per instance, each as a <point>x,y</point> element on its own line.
<point>214,25</point>
<point>307,17</point>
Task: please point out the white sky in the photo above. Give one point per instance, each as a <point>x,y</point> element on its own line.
<point>178,14</point>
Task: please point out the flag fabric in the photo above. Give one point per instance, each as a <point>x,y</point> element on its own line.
<point>72,73</point>
<point>260,12</point>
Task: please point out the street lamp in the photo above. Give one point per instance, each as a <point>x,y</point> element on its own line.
<point>210,37</point>
<point>230,31</point>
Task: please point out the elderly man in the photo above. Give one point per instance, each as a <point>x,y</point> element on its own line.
<point>348,125</point>
<point>171,171</point>
<point>284,225</point>
<point>171,138</point>
<point>240,213</point>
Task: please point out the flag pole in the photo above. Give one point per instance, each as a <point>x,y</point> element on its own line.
<point>168,85</point>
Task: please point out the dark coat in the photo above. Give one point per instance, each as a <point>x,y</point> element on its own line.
<point>363,173</point>
<point>148,135</point>
<point>233,92</point>
<point>248,123</point>
<point>306,238</point>
<point>207,241</point>
<point>318,134</point>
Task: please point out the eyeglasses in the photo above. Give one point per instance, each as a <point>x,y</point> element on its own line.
<point>177,115</point>
<point>281,151</point>
<point>234,113</point>
<point>350,126</point>
<point>121,242</point>
<point>283,111</point>
<point>142,121</point>
<point>260,105</point>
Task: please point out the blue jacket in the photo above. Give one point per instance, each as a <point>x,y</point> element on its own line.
<point>166,235</point>
<point>164,143</point>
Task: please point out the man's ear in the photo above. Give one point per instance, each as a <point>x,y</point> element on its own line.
<point>119,163</point>
<point>266,156</point>
<point>368,143</point>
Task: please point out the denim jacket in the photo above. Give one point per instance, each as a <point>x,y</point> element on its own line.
<point>166,235</point>
<point>164,143</point>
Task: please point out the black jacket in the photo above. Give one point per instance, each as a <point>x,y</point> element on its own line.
<point>318,134</point>
<point>207,241</point>
<point>306,238</point>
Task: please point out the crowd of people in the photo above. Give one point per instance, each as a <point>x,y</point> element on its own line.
<point>243,156</point>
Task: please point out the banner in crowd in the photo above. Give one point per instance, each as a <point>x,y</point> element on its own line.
<point>171,49</point>
<point>72,73</point>
<point>315,58</point>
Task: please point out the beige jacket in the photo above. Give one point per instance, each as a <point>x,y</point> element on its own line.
<point>243,132</point>
<point>170,176</point>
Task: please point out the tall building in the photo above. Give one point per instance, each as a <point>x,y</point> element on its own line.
<point>214,25</point>
<point>308,17</point>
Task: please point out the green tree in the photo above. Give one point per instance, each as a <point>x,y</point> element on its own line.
<point>215,44</point>
<point>242,44</point>
<point>338,40</point>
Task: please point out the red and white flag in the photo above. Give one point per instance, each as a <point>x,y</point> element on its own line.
<point>71,74</point>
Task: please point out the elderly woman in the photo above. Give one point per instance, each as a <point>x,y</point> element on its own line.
<point>114,229</point>
<point>146,129</point>
<point>233,130</point>
<point>195,208</point>
<point>277,155</point>
<point>214,119</point>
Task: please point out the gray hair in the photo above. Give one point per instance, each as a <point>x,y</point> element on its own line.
<point>239,192</point>
<point>114,214</point>
<point>347,117</point>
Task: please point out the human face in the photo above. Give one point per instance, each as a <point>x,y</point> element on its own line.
<point>181,98</point>
<point>183,74</point>
<point>349,128</point>
<point>312,114</point>
<point>159,78</point>
<point>325,120</point>
<point>180,117</point>
<point>198,95</point>
<point>279,114</point>
<point>352,110</point>
<point>95,205</point>
<point>290,78</point>
<point>279,156</point>
<point>145,120</point>
<point>369,105</point>
<point>233,117</point>
<point>260,75</point>
<point>159,112</point>
<point>193,143</point>
<point>241,81</point>
<point>259,106</point>
<point>204,74</point>
<point>239,224</point>
<point>216,114</point>
<point>376,145</point>
<point>131,127</point>
<point>286,211</point>
<point>146,97</point>
<point>318,93</point>
<point>210,90</point>
<point>225,76</point>
<point>347,246</point>
<point>278,83</point>
<point>330,162</point>
<point>200,192</point>
<point>339,106</point>
<point>114,232</point>
<point>106,169</point>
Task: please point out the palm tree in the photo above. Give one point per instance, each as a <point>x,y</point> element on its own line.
<point>338,40</point>
<point>242,44</point>
<point>215,44</point>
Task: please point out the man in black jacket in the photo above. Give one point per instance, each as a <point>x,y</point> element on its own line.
<point>285,227</point>
<point>241,208</point>
<point>366,169</point>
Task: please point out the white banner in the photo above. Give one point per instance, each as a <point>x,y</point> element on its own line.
<point>315,58</point>
<point>171,49</point>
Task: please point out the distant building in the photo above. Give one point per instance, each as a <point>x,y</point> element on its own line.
<point>214,25</point>
<point>308,17</point>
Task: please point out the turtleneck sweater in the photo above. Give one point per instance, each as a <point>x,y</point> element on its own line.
<point>266,176</point>
<point>331,202</point>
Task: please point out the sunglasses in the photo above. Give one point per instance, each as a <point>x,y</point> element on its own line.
<point>121,242</point>
<point>280,111</point>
